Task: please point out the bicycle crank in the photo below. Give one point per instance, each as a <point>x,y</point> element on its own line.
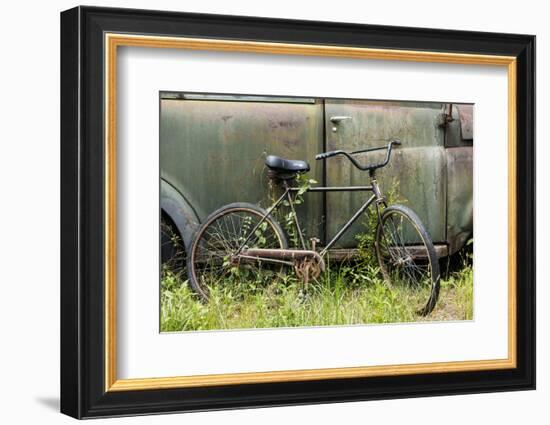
<point>307,268</point>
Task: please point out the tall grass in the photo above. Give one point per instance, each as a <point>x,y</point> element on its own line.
<point>344,295</point>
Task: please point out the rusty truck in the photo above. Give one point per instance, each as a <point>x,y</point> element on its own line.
<point>213,147</point>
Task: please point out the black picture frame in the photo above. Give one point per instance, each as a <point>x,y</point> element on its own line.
<point>83,392</point>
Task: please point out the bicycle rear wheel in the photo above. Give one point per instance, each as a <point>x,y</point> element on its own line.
<point>407,257</point>
<point>211,260</point>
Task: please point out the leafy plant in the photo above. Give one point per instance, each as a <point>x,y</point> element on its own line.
<point>365,241</point>
<point>287,215</point>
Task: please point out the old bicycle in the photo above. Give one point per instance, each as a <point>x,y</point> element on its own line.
<point>244,239</point>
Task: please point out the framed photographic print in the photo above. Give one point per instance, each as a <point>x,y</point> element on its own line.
<point>261,212</point>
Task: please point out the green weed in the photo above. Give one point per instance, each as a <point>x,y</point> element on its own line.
<point>341,296</point>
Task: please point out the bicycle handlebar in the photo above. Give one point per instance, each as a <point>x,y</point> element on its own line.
<point>348,155</point>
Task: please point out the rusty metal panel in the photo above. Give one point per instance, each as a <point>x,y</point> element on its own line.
<point>459,196</point>
<point>418,167</point>
<point>466,114</point>
<point>213,151</point>
<point>459,126</point>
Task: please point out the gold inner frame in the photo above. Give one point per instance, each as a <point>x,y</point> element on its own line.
<point>113,41</point>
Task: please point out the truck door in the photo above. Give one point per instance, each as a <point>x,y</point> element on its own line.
<point>417,169</point>
<point>213,148</point>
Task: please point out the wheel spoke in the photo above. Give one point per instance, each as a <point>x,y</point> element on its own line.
<point>215,247</point>
<point>406,256</point>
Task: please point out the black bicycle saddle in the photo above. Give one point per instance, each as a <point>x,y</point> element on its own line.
<point>279,164</point>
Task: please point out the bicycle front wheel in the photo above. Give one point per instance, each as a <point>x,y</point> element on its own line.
<point>407,257</point>
<point>212,262</point>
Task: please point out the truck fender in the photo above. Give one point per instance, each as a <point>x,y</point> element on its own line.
<point>180,211</point>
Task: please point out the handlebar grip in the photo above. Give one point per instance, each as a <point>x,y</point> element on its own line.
<point>396,142</point>
<point>325,155</point>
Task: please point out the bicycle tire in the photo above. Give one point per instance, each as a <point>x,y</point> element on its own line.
<point>195,274</point>
<point>403,260</point>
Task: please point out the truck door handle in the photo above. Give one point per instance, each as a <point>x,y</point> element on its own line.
<point>337,120</point>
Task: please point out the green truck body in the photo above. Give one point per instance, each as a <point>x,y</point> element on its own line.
<point>212,151</point>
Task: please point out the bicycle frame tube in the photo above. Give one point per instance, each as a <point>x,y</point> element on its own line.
<point>336,189</point>
<point>346,226</point>
<point>372,188</point>
<point>295,216</point>
<point>287,194</point>
<point>268,211</point>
